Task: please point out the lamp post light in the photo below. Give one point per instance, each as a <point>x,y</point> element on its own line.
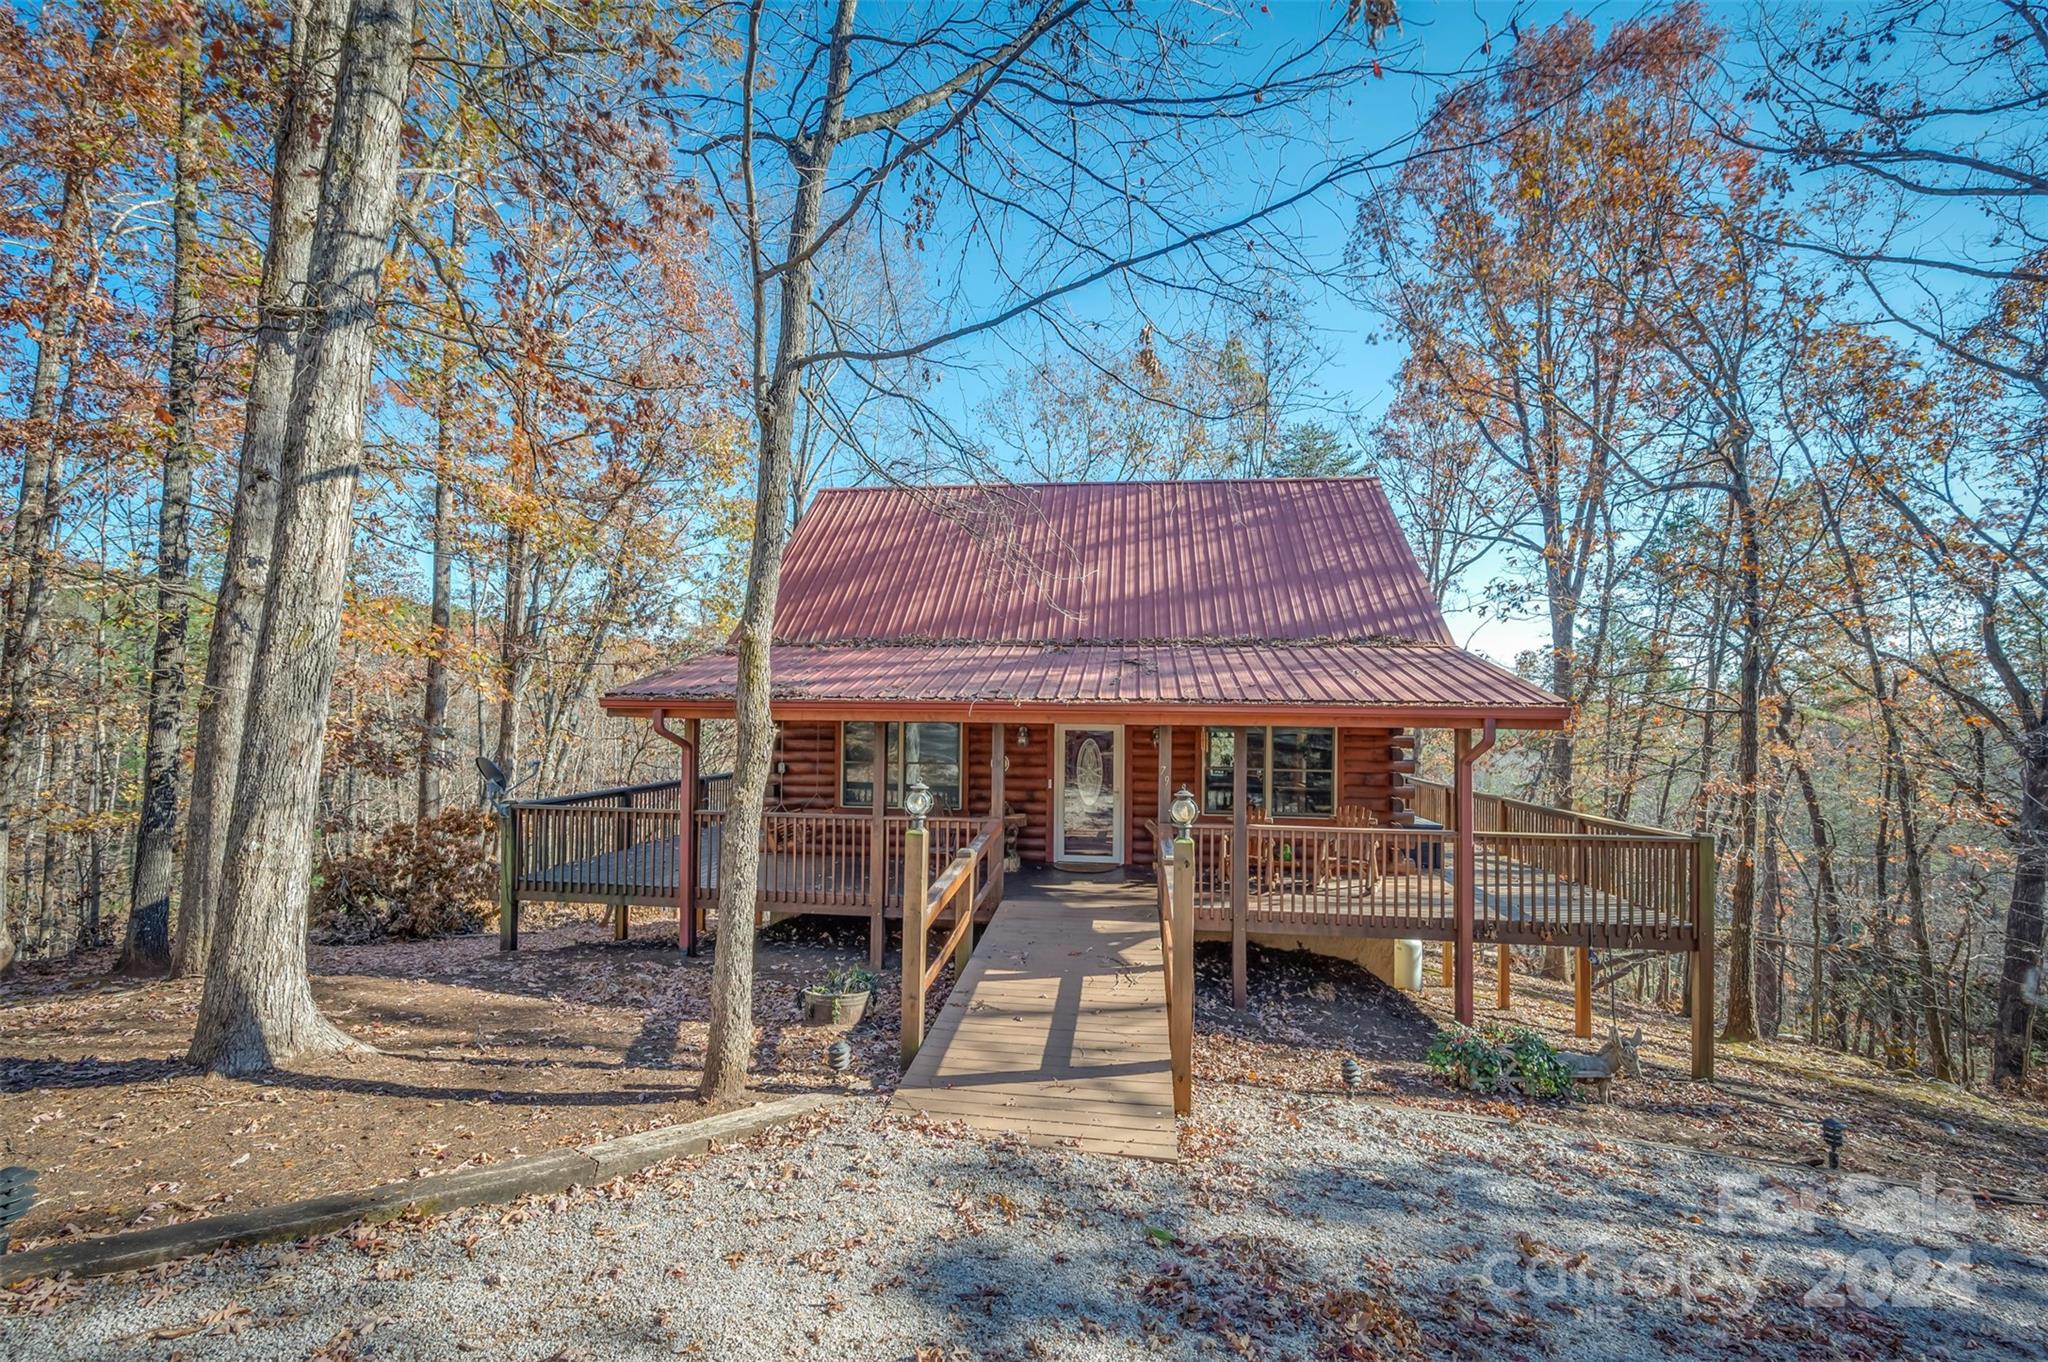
<point>1182,811</point>
<point>917,802</point>
<point>1833,1131</point>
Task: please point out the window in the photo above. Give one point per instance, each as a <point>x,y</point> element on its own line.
<point>1298,766</point>
<point>1304,775</point>
<point>1217,769</point>
<point>927,752</point>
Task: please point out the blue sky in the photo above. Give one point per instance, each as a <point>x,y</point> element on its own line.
<point>1355,376</point>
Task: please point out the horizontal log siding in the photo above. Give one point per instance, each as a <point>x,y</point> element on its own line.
<point>807,775</point>
<point>1027,789</point>
<point>1141,798</point>
<point>1373,768</point>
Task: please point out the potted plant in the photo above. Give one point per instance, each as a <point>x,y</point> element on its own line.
<point>841,998</point>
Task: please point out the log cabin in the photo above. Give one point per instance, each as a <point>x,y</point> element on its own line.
<point>1052,664</point>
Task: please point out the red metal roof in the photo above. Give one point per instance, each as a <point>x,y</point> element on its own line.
<point>1156,562</point>
<point>1283,593</point>
<point>1412,678</point>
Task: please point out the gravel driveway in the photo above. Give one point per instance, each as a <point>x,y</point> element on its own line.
<point>1295,1227</point>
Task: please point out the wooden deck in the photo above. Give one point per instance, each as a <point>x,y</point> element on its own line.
<point>1057,1029</point>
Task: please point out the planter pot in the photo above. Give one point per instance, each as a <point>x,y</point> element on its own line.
<point>823,1008</point>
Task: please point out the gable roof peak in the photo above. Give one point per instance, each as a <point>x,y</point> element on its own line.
<point>1275,559</point>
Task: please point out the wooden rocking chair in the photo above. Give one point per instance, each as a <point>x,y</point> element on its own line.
<point>1358,855</point>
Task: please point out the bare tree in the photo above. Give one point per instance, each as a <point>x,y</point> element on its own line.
<point>257,1007</point>
<point>238,607</point>
<point>37,509</point>
<point>1936,175</point>
<point>155,868</point>
<point>1068,138</point>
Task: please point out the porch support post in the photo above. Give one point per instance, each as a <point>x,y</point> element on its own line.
<point>1703,960</point>
<point>1467,885</point>
<point>1504,996</point>
<point>997,762</point>
<point>1180,971</point>
<point>508,879</point>
<point>689,918</point>
<point>686,831</point>
<point>915,866</point>
<point>1450,820</point>
<point>1463,898</point>
<point>1240,862</point>
<point>1582,994</point>
<point>878,849</point>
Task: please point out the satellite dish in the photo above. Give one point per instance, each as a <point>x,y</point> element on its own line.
<point>491,772</point>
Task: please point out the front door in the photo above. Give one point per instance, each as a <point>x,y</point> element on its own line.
<point>1088,795</point>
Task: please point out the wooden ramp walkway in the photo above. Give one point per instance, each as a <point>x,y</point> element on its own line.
<point>1057,1029</point>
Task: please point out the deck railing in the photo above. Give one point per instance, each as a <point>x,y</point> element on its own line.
<point>600,846</point>
<point>1530,887</point>
<point>1539,874</point>
<point>618,846</point>
<point>823,861</point>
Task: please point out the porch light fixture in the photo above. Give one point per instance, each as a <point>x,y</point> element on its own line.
<point>917,802</point>
<point>1182,811</point>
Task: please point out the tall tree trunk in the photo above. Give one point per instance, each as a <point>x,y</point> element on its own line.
<point>1710,716</point>
<point>1741,1019</point>
<point>154,869</point>
<point>731,1038</point>
<point>512,651</point>
<point>238,610</point>
<point>1929,989</point>
<point>434,732</point>
<point>2020,985</point>
<point>1901,786</point>
<point>34,517</point>
<point>258,1008</point>
<point>1830,1021</point>
<point>1770,976</point>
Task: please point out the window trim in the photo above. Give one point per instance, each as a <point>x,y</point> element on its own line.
<point>1266,771</point>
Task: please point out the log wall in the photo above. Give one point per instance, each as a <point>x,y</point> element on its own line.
<point>1373,770</point>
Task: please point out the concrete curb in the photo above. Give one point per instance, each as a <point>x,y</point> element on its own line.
<point>475,1186</point>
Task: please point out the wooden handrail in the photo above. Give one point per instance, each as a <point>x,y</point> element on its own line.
<point>955,888</point>
<point>583,797</point>
<point>962,873</point>
<point>1591,822</point>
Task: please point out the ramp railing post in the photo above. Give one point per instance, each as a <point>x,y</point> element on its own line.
<point>916,866</point>
<point>1180,995</point>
